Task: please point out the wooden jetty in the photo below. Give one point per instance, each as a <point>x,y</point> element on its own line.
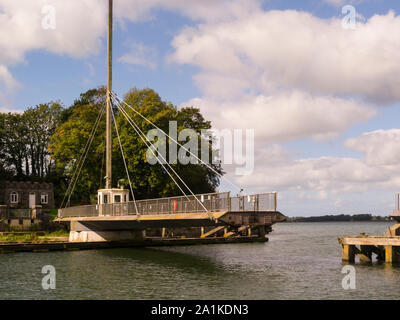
<point>386,248</point>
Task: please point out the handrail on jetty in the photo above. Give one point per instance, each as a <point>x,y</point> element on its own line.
<point>214,202</point>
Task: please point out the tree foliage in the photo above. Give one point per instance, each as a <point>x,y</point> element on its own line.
<point>24,141</point>
<point>152,180</point>
<point>148,181</point>
<point>68,145</point>
<point>45,143</point>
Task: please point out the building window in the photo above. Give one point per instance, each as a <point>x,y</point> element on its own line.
<point>105,199</point>
<point>117,198</point>
<point>44,199</point>
<point>14,197</point>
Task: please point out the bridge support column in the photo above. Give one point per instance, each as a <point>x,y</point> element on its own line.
<point>105,236</point>
<point>80,233</point>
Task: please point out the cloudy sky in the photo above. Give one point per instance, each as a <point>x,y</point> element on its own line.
<point>322,98</point>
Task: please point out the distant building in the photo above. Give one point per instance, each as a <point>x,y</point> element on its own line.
<point>26,195</point>
<point>24,203</point>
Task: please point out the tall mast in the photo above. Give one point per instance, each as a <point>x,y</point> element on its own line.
<point>108,98</point>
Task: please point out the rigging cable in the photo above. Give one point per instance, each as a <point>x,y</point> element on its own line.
<point>174,140</point>
<point>76,174</point>
<point>152,145</point>
<point>102,164</point>
<point>137,129</point>
<point>80,158</point>
<point>123,158</point>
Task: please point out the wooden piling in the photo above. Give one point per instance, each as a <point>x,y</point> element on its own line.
<point>348,253</point>
<point>389,254</point>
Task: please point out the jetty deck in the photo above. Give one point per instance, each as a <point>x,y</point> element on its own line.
<point>385,248</point>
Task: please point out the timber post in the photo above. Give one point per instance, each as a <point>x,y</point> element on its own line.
<point>348,253</point>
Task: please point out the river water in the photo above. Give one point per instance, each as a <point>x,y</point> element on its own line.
<point>301,261</point>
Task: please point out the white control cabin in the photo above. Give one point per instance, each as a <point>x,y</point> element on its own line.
<point>115,195</point>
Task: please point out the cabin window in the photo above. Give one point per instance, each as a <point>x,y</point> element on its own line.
<point>14,197</point>
<point>44,199</point>
<point>105,199</point>
<point>125,198</point>
<point>117,198</point>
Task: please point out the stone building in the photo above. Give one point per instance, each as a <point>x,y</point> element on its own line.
<point>26,195</point>
<point>24,203</point>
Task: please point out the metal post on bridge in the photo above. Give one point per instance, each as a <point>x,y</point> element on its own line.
<point>108,98</point>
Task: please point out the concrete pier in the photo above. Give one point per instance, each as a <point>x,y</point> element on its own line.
<point>147,242</point>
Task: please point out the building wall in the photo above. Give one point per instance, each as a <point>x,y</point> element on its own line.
<point>23,189</point>
<point>21,224</point>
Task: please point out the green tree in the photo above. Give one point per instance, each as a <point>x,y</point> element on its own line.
<point>151,180</point>
<point>5,172</point>
<point>40,123</point>
<point>25,138</point>
<point>15,143</point>
<point>68,142</point>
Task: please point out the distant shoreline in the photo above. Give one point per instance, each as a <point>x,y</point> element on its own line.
<point>340,218</point>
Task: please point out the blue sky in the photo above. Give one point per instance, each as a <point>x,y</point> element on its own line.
<point>45,76</point>
<point>316,95</point>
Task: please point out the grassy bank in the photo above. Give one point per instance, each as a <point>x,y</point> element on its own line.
<point>33,237</point>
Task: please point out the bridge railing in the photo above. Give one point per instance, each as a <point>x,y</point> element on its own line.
<point>215,202</point>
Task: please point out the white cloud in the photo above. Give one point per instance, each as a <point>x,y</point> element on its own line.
<point>327,177</point>
<point>381,147</point>
<point>80,26</point>
<point>286,115</point>
<point>141,55</point>
<point>271,50</point>
<point>337,175</point>
<point>8,84</point>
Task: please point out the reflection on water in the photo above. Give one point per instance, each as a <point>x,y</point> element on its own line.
<point>301,261</point>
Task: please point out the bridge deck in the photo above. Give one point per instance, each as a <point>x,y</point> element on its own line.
<point>195,219</point>
<point>221,209</point>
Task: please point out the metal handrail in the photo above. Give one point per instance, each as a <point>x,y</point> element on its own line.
<point>215,202</point>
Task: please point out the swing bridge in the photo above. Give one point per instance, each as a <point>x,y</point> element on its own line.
<point>116,217</point>
<point>221,209</point>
